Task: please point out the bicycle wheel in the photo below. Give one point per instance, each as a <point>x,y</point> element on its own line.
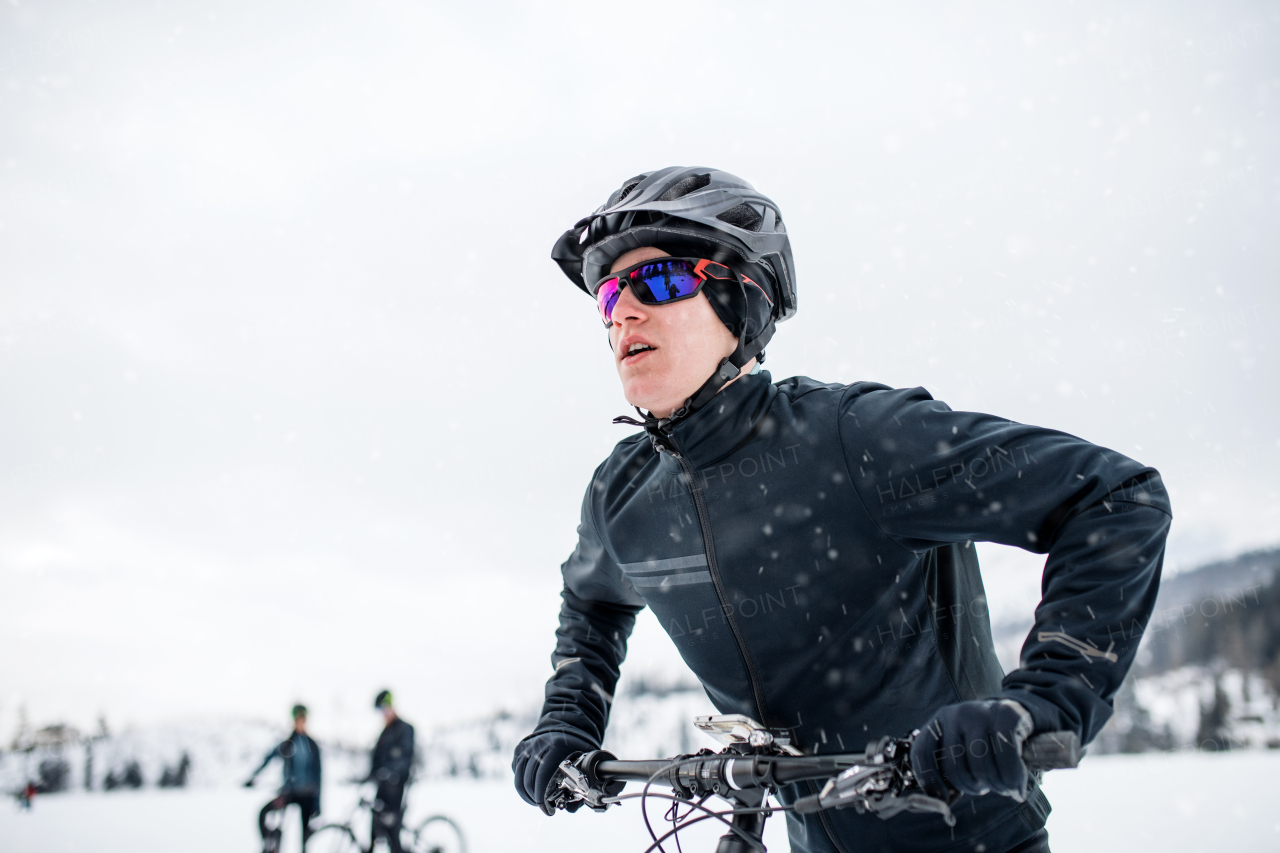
<point>333,838</point>
<point>439,834</point>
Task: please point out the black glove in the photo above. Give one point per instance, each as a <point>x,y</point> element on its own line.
<point>973,748</point>
<point>536,760</point>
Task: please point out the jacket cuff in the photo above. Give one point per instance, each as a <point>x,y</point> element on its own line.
<point>1045,715</point>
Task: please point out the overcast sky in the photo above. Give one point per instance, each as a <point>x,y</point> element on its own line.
<point>295,405</point>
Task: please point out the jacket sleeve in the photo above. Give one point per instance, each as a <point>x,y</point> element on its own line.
<point>930,476</point>
<point>319,775</point>
<point>598,608</point>
<point>409,747</point>
<point>275,751</point>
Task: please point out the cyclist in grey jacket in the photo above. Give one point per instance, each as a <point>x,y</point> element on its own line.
<point>809,547</point>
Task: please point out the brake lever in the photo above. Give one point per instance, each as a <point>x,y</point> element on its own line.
<point>855,786</point>
<point>883,786</point>
<point>575,784</point>
<point>880,790</point>
<point>914,801</point>
<point>576,787</point>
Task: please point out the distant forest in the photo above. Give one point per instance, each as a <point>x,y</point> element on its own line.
<point>1218,619</point>
<point>1222,615</point>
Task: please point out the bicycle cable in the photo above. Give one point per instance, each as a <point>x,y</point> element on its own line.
<point>674,817</point>
<point>645,794</point>
<point>749,810</point>
<point>657,844</point>
<point>718,815</point>
<point>676,802</point>
<point>680,823</point>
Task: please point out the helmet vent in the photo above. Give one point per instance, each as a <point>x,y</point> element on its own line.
<point>742,216</point>
<point>628,187</point>
<point>683,188</point>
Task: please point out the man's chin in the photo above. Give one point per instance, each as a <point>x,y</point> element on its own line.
<point>644,398</point>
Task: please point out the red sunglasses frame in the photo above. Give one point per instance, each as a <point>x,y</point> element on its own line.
<point>701,268</point>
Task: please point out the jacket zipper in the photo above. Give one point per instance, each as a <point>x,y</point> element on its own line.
<point>704,521</point>
<point>753,675</point>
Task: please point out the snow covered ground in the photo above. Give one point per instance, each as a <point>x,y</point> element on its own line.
<point>1170,802</point>
<point>1166,802</point>
<point>223,821</point>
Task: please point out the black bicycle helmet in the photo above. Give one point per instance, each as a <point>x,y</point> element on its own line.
<point>694,211</point>
<point>691,206</point>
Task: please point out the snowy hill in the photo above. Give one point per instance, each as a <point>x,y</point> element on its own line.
<point>1207,674</point>
<point>646,721</point>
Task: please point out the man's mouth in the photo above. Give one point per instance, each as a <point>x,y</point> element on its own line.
<point>635,350</point>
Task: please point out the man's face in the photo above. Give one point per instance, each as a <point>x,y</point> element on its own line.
<point>300,723</point>
<point>687,342</point>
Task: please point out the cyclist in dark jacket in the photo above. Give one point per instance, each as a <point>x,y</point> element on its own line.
<point>809,546</point>
<point>301,757</point>
<point>390,768</point>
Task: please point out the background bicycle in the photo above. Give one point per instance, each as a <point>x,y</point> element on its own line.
<point>434,834</point>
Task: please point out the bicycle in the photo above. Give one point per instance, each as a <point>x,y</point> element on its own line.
<point>755,762</point>
<point>436,834</point>
<point>439,834</point>
<point>273,820</point>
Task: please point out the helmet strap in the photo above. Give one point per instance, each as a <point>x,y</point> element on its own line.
<point>728,370</point>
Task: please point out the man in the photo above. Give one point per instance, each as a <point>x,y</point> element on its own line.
<point>809,547</point>
<point>390,768</point>
<point>301,757</point>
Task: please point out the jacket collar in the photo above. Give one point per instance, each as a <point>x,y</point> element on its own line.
<point>726,421</point>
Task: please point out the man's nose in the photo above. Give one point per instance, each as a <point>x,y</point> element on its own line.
<point>628,309</point>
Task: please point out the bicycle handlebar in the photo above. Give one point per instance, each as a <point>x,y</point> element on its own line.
<point>878,779</point>
<point>757,762</point>
<point>1052,751</point>
<point>738,771</point>
<point>1048,751</point>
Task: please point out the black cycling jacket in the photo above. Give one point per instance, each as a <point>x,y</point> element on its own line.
<point>809,549</point>
<point>393,754</point>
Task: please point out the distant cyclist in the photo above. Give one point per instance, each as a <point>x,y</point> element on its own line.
<point>27,795</point>
<point>390,767</point>
<point>301,757</point>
